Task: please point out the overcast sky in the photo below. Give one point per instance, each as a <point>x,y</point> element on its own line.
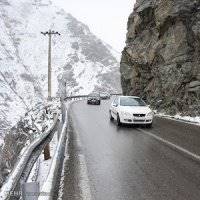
<point>106,18</point>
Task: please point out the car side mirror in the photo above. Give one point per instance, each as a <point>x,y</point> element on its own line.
<point>115,105</point>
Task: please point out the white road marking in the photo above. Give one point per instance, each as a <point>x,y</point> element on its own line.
<point>170,144</point>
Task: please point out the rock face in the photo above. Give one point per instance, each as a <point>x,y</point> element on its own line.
<point>161,60</point>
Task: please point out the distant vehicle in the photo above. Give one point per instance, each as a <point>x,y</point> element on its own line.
<point>94,98</point>
<point>104,95</point>
<point>131,110</point>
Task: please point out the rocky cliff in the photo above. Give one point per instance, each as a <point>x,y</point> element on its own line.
<point>161,60</point>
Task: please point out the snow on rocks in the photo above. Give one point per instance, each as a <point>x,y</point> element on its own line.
<point>18,169</point>
<point>188,119</point>
<point>80,60</point>
<point>32,128</point>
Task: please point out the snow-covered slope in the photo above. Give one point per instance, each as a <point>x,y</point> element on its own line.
<point>79,59</point>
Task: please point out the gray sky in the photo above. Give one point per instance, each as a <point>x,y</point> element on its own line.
<point>106,18</point>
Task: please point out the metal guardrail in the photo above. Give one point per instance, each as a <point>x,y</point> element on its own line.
<point>85,96</point>
<point>51,184</point>
<point>48,191</point>
<point>14,177</point>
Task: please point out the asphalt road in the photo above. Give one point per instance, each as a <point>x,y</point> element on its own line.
<point>111,163</point>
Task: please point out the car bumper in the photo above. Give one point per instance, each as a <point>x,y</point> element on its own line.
<point>126,120</point>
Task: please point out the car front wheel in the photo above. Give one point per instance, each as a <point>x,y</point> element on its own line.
<point>118,120</point>
<point>149,125</point>
<point>111,117</point>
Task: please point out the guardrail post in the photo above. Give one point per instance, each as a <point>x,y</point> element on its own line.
<point>47,155</point>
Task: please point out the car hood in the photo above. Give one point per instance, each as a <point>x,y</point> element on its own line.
<point>135,109</point>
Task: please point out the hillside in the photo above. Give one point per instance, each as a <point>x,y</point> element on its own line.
<point>79,59</point>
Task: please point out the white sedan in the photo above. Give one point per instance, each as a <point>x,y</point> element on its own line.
<point>131,110</point>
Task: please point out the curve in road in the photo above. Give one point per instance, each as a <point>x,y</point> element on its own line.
<point>107,162</point>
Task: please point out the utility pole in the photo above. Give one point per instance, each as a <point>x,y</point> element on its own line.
<point>49,33</point>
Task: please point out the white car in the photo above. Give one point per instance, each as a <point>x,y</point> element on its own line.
<point>131,110</point>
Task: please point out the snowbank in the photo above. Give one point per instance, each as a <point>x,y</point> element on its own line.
<point>188,119</point>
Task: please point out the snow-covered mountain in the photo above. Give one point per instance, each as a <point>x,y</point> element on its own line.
<point>79,58</point>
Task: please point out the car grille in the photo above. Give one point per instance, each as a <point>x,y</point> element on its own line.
<point>139,115</point>
<point>139,120</point>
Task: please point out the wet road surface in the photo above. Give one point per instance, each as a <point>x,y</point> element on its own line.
<point>111,163</point>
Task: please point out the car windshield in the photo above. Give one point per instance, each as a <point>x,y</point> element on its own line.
<point>131,101</point>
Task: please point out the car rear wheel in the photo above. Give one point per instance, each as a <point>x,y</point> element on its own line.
<point>118,120</point>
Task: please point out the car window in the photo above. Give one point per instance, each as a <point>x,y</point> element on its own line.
<point>131,101</point>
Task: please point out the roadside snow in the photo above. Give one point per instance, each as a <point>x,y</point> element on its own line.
<point>1,141</point>
<point>194,120</point>
<point>46,164</point>
<point>34,172</point>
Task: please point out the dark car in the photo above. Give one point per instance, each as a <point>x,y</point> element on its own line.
<point>94,98</point>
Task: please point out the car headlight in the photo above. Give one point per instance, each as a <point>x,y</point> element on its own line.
<point>125,113</point>
<point>150,114</point>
